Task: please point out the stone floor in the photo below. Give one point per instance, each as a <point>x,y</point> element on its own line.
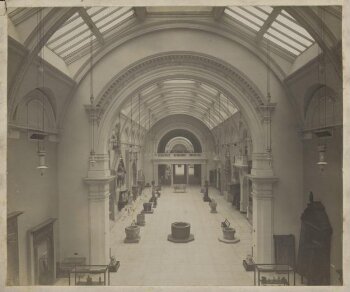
<point>205,261</point>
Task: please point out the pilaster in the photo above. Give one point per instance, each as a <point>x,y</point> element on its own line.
<point>262,192</point>
<point>98,180</point>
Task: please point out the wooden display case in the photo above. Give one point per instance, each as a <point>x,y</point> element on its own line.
<point>90,275</point>
<point>273,275</point>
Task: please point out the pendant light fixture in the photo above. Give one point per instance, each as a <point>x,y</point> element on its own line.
<point>131,132</point>
<point>322,147</point>
<point>41,143</point>
<point>268,97</point>
<point>92,99</point>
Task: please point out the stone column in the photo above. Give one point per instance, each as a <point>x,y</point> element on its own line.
<point>262,191</point>
<point>98,180</point>
<point>244,195</point>
<point>172,174</point>
<point>155,173</point>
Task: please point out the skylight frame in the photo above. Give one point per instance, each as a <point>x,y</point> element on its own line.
<point>283,31</point>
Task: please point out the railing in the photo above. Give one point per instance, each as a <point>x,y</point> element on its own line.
<point>179,155</point>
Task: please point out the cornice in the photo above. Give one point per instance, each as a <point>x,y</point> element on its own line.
<point>98,180</point>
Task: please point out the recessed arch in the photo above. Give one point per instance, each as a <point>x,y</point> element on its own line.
<point>197,147</point>
<point>185,65</point>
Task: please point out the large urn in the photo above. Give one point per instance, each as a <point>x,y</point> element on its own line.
<point>229,233</point>
<point>132,233</point>
<point>180,230</point>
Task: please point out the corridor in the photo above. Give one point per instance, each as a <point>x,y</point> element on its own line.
<point>205,261</point>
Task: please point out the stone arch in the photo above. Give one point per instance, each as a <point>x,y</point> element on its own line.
<point>163,141</point>
<point>321,107</point>
<point>202,68</point>
<point>174,142</point>
<point>43,97</point>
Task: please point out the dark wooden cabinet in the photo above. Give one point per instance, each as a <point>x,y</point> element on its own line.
<point>314,246</point>
<point>12,278</point>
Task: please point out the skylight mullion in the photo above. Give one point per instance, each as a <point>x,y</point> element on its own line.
<point>245,17</point>
<point>75,45</point>
<point>73,37</point>
<point>97,12</point>
<point>234,17</point>
<point>107,15</point>
<point>285,42</point>
<point>285,45</point>
<point>291,34</point>
<point>296,32</point>
<point>294,26</point>
<point>113,20</point>
<point>251,13</point>
<point>263,11</point>
<point>290,37</point>
<point>63,34</point>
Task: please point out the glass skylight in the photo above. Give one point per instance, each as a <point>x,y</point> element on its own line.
<point>75,34</point>
<point>282,29</point>
<point>176,96</point>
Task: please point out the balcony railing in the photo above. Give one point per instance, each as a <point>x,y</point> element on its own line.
<point>179,155</point>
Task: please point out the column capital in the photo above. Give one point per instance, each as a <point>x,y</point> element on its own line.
<point>262,187</point>
<point>262,165</point>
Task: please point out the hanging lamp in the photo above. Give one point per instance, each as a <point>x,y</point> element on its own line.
<point>41,144</point>
<point>322,69</point>
<point>92,158</point>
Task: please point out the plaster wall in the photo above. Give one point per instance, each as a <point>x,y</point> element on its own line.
<point>30,192</point>
<point>327,187</point>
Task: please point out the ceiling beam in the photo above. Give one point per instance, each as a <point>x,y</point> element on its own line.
<point>271,18</point>
<point>86,17</point>
<point>218,12</point>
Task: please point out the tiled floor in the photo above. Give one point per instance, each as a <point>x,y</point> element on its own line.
<point>205,261</point>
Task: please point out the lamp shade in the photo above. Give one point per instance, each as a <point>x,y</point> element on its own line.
<point>42,162</point>
<point>322,157</point>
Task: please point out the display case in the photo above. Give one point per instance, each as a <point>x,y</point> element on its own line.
<point>273,275</point>
<point>89,275</point>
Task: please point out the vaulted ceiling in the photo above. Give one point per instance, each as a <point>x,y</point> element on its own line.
<point>92,29</point>
<point>98,24</point>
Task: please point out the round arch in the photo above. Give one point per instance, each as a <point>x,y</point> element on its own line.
<point>179,133</point>
<point>198,67</point>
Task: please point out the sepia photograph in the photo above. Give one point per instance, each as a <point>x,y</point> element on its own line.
<point>172,145</point>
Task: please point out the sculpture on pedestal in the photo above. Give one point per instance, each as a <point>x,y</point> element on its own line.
<point>121,173</point>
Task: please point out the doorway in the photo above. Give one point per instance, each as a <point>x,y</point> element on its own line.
<point>179,174</point>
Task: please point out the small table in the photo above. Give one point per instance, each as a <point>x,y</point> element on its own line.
<point>276,269</point>
<point>93,272</point>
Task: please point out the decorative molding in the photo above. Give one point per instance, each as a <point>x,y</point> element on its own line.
<point>201,61</point>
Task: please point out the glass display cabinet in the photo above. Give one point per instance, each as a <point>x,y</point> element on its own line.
<point>89,275</point>
<point>273,275</point>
